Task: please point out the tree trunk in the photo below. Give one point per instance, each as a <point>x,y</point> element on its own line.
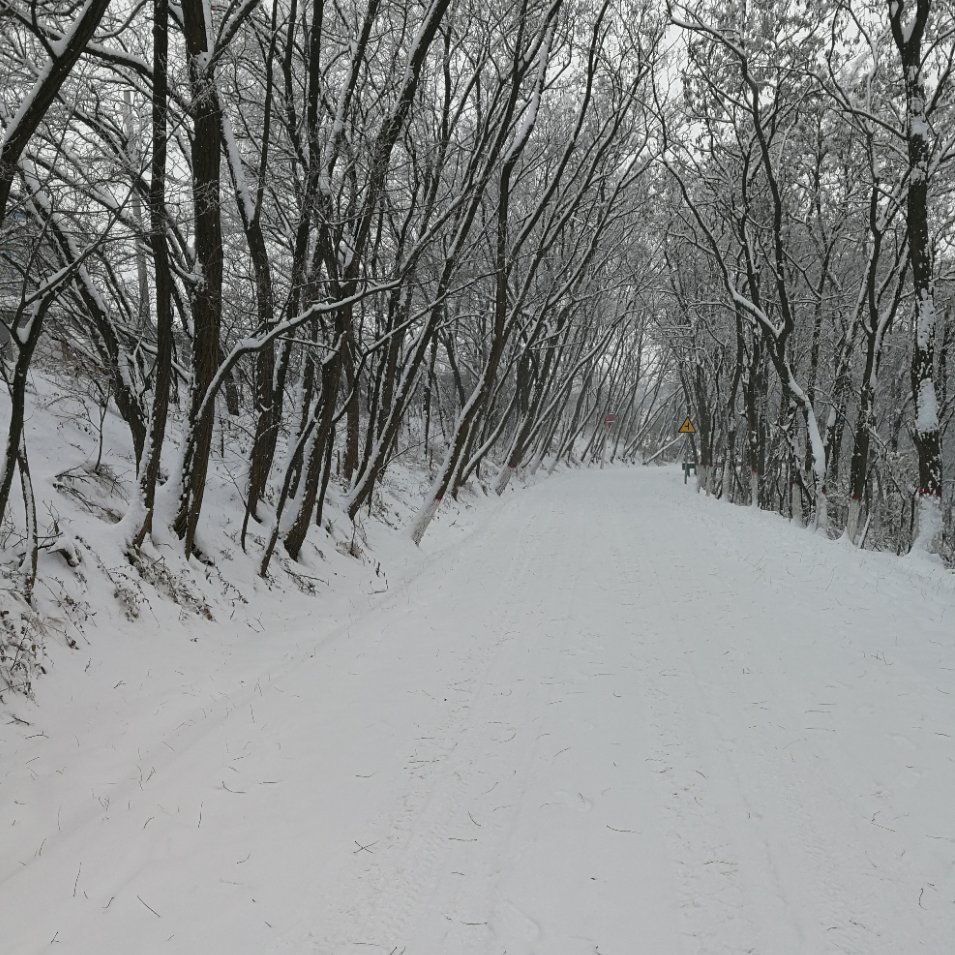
<point>908,40</point>
<point>206,292</point>
<point>162,381</point>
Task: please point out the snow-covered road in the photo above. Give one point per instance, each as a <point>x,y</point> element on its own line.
<point>617,719</point>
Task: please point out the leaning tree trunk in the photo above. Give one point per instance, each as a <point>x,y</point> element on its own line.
<point>314,461</point>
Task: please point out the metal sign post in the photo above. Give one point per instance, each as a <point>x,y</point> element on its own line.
<point>688,463</point>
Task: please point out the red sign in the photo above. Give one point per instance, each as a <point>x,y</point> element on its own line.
<point>609,419</point>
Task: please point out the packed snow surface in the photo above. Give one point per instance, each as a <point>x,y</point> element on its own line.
<point>618,718</point>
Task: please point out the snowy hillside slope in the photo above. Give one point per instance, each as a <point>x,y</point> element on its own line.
<point>617,718</point>
<point>88,590</point>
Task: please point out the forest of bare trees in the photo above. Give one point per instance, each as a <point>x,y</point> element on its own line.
<point>495,236</point>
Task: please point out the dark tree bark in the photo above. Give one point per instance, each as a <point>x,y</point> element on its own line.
<point>26,329</point>
<point>206,290</point>
<point>162,374</point>
<point>908,24</point>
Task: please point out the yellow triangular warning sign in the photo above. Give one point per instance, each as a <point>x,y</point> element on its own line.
<point>687,426</point>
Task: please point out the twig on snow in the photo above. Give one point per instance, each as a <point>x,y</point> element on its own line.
<point>148,906</point>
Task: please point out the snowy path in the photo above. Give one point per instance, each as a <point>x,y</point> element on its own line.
<point>618,719</point>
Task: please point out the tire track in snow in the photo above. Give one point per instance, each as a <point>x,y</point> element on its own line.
<point>535,831</point>
<point>432,818</point>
